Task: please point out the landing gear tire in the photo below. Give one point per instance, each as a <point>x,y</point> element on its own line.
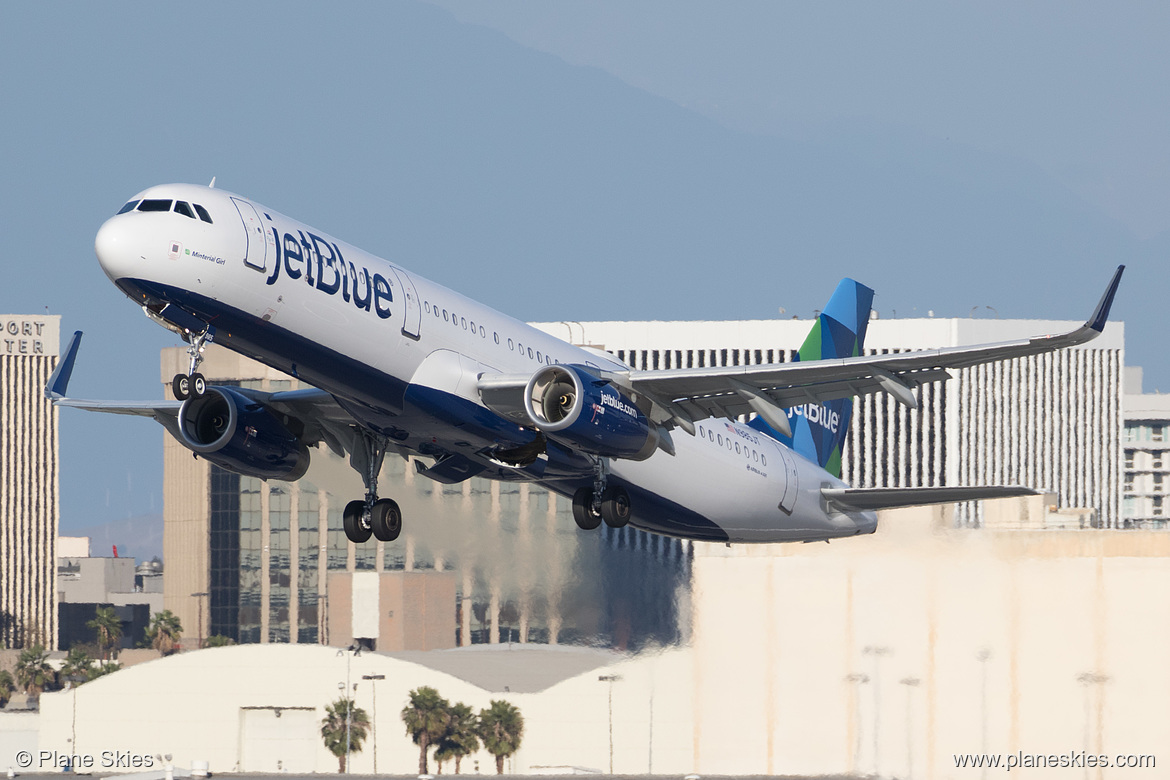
<point>198,385</point>
<point>356,522</point>
<point>386,520</point>
<point>181,387</point>
<point>615,507</point>
<point>583,514</point>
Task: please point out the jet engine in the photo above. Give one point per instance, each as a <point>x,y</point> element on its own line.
<point>242,435</point>
<point>578,409</point>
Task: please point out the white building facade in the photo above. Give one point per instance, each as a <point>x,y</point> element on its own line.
<point>1147,460</point>
<point>1052,422</point>
<point>28,481</point>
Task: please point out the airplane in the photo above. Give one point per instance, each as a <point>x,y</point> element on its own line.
<point>397,363</point>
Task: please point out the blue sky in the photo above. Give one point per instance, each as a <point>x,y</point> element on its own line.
<point>598,160</point>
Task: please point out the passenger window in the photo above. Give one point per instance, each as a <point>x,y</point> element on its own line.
<point>427,306</point>
<point>719,439</point>
<point>202,212</point>
<point>463,321</point>
<point>181,207</point>
<point>128,207</point>
<point>154,205</point>
<point>483,333</point>
<point>755,456</point>
<point>496,336</point>
<point>520,348</point>
<point>737,448</point>
<point>538,358</point>
<point>445,316</point>
<point>509,343</point>
<point>530,353</point>
<point>763,461</point>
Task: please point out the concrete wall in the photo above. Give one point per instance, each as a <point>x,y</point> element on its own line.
<point>882,655</point>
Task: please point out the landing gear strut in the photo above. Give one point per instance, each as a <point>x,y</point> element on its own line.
<point>193,385</point>
<point>601,502</point>
<point>381,518</point>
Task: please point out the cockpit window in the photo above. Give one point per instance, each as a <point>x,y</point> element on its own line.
<point>128,207</point>
<point>181,207</point>
<point>154,205</point>
<point>202,212</point>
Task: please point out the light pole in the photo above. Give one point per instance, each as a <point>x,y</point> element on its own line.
<point>373,678</point>
<point>911,683</point>
<point>353,651</point>
<point>877,651</point>
<point>983,656</point>
<point>858,679</point>
<point>199,606</point>
<point>1089,680</point>
<point>611,679</point>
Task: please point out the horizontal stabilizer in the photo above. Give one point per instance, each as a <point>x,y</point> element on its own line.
<point>871,499</point>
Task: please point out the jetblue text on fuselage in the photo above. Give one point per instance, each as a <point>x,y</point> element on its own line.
<point>333,273</point>
<point>818,414</point>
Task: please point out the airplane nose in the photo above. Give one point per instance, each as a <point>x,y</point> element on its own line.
<point>112,247</point>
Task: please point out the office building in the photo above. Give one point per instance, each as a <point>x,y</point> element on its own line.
<point>1147,456</point>
<point>269,561</point>
<point>28,481</point>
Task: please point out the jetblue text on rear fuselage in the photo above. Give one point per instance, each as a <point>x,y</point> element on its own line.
<point>818,414</point>
<point>333,273</point>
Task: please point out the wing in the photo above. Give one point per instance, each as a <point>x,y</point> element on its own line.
<point>324,420</point>
<point>681,396</point>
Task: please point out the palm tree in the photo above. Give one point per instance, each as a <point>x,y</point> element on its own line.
<point>500,727</point>
<point>164,632</point>
<point>108,628</point>
<point>426,718</point>
<point>104,668</point>
<point>461,738</point>
<point>33,672</point>
<point>78,666</point>
<point>334,728</point>
<point>7,686</point>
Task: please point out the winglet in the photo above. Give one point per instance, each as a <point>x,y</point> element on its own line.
<point>59,381</point>
<point>1101,313</point>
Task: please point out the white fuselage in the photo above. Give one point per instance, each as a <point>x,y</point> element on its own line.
<point>403,355</point>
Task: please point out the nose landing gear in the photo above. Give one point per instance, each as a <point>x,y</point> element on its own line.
<point>193,385</point>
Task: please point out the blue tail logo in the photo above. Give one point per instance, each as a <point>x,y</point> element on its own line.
<point>819,430</point>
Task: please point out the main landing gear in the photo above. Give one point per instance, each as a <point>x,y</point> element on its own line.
<point>193,385</point>
<point>379,517</point>
<point>592,505</point>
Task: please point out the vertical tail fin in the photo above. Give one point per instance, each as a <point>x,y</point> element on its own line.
<point>819,430</point>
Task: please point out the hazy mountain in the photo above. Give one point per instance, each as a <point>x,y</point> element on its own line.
<point>551,191</point>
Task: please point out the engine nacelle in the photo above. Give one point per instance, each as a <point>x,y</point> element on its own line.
<point>571,405</point>
<point>241,435</point>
